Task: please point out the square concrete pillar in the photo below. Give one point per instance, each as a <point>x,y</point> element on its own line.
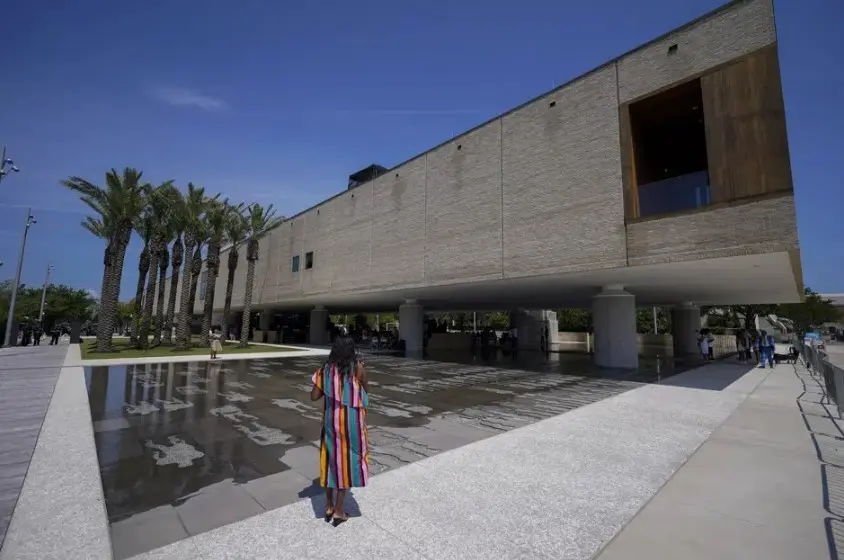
<point>411,326</point>
<point>319,323</point>
<point>614,322</point>
<point>685,324</point>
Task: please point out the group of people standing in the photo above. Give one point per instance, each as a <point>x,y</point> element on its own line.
<point>755,345</point>
<point>32,332</point>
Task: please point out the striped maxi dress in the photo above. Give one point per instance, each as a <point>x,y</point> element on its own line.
<point>343,450</point>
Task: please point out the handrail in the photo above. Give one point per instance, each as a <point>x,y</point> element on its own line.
<point>832,376</point>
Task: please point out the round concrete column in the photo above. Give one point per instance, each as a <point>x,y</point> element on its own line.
<point>614,322</point>
<point>411,327</point>
<point>685,324</point>
<point>319,322</point>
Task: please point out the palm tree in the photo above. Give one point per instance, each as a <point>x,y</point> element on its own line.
<point>100,229</point>
<point>159,202</point>
<point>261,221</point>
<point>194,208</point>
<point>118,204</point>
<point>144,227</point>
<point>216,218</point>
<point>176,258</point>
<point>196,263</point>
<point>236,229</point>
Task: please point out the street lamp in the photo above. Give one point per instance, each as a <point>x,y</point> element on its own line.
<point>6,165</point>
<point>11,318</point>
<point>44,293</point>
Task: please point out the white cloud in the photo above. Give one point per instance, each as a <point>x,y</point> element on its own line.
<point>188,98</point>
<point>93,293</point>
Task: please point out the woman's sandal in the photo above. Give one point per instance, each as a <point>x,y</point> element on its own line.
<point>329,513</point>
<point>340,518</point>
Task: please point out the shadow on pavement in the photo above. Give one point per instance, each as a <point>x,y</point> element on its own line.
<point>316,493</point>
<point>716,376</point>
<point>819,415</point>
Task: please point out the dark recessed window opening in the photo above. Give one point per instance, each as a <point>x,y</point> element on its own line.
<point>552,104</point>
<point>672,49</point>
<point>317,212</point>
<point>309,260</point>
<point>460,146</point>
<point>294,267</point>
<point>397,174</point>
<point>669,150</point>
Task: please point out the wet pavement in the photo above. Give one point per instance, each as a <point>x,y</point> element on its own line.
<point>184,448</point>
<point>27,378</point>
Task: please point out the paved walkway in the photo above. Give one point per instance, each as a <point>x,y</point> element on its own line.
<point>756,489</point>
<point>27,378</point>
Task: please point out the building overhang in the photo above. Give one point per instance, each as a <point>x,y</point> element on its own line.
<point>739,280</point>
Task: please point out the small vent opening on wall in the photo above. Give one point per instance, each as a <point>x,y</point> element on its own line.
<point>672,49</point>
<point>460,146</point>
<point>552,104</point>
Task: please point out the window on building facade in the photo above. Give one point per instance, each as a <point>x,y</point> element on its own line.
<point>203,284</point>
<point>669,151</point>
<point>295,264</point>
<point>309,260</point>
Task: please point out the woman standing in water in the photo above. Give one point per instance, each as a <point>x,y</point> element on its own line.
<point>343,446</point>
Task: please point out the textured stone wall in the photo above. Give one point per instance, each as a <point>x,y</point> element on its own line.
<point>755,227</point>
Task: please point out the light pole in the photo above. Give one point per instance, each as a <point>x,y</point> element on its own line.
<point>4,162</point>
<point>11,318</point>
<point>44,293</point>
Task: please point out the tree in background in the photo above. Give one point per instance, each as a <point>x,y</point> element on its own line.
<point>261,220</point>
<point>236,230</point>
<point>118,206</point>
<point>62,304</point>
<point>812,312</point>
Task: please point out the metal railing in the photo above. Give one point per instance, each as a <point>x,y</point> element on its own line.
<point>831,376</point>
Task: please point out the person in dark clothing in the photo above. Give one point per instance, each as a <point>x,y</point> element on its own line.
<point>54,335</point>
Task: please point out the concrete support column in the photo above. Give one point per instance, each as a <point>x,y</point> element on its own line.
<point>319,323</point>
<point>685,324</point>
<point>411,326</point>
<point>264,325</point>
<point>614,321</point>
<point>531,327</point>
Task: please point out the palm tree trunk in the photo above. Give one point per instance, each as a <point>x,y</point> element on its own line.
<point>209,306</point>
<point>213,266</point>
<point>143,332</point>
<point>159,309</point>
<point>227,306</point>
<point>195,271</point>
<point>247,305</point>
<point>185,309</point>
<point>143,268</point>
<point>108,304</point>
<point>171,306</point>
<point>103,333</point>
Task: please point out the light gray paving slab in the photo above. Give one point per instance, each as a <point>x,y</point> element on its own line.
<point>277,490</point>
<point>304,460</point>
<point>755,489</point>
<point>111,424</point>
<point>215,506</point>
<point>150,529</point>
<point>61,511</point>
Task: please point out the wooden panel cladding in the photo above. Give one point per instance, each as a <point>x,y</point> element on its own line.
<point>628,165</point>
<point>746,137</point>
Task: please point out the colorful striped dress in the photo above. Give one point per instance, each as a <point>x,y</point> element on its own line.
<point>343,453</point>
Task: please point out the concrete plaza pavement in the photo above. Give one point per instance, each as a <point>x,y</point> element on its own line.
<point>566,486</point>
<point>563,487</point>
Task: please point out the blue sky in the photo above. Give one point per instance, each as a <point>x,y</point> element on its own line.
<point>278,102</point>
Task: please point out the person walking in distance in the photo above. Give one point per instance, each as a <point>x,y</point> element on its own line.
<point>343,452</point>
<point>766,349</point>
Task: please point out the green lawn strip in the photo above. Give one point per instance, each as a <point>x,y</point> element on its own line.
<point>122,349</point>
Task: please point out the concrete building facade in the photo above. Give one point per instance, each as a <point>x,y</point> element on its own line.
<point>555,203</point>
